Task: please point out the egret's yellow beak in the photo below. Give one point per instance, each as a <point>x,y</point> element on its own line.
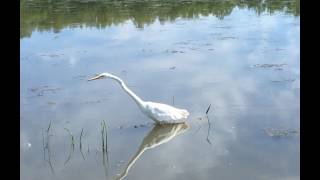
<point>95,78</point>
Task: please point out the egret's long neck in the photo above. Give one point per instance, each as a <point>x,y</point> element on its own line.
<point>139,101</point>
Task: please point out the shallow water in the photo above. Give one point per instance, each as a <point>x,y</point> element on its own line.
<point>243,58</point>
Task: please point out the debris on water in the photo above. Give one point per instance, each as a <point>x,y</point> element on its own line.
<point>268,65</point>
<point>227,37</point>
<point>182,43</point>
<point>95,101</point>
<point>50,55</point>
<point>174,51</point>
<point>135,126</point>
<point>285,80</point>
<point>89,102</point>
<point>224,27</point>
<point>280,132</point>
<point>172,68</point>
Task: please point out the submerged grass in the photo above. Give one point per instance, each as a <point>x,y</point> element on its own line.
<point>46,147</point>
<point>209,129</point>
<point>43,145</point>
<point>209,125</point>
<point>104,138</point>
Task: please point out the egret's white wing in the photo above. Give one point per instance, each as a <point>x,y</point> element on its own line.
<point>163,112</point>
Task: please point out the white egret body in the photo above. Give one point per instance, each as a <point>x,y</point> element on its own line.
<point>160,113</point>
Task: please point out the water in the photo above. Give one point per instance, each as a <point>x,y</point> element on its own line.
<point>241,57</point>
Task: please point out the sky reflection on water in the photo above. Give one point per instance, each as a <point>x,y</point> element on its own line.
<point>217,61</point>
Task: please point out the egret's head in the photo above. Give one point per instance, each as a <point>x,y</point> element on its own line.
<point>101,76</point>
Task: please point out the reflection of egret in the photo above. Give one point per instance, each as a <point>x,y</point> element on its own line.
<point>161,113</point>
<point>158,135</point>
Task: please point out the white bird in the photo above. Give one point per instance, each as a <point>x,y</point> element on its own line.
<point>160,113</point>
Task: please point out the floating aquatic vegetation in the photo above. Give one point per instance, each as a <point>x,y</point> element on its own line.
<point>174,51</point>
<point>95,101</point>
<point>41,90</point>
<point>51,103</point>
<point>284,80</point>
<point>269,65</point>
<point>281,132</point>
<point>226,38</point>
<point>51,55</point>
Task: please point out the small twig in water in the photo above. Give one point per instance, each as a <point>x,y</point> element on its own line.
<point>208,109</point>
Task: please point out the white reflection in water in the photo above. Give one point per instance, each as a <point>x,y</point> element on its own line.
<point>158,135</point>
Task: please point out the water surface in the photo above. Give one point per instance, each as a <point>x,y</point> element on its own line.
<point>242,57</point>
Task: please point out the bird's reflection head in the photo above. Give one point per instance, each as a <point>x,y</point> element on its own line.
<point>101,76</point>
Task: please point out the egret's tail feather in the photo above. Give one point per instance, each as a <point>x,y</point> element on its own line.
<point>185,113</point>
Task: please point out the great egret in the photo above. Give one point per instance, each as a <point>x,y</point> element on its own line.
<point>160,113</point>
